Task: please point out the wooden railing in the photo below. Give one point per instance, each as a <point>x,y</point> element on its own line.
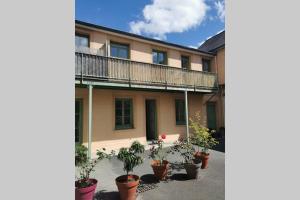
<point>94,66</point>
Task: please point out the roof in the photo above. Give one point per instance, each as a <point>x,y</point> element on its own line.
<point>214,43</point>
<point>77,22</point>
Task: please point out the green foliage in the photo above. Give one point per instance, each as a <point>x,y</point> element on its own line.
<point>86,166</point>
<point>157,152</point>
<point>185,149</point>
<point>130,156</point>
<point>80,154</point>
<point>201,136</point>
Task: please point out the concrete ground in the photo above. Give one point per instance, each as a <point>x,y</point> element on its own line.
<point>209,186</point>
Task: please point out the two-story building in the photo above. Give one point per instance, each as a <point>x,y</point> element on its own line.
<point>129,87</point>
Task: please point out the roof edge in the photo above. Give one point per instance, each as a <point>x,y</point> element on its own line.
<point>140,37</point>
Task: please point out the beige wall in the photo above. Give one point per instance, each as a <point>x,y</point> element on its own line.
<point>142,51</point>
<point>104,133</point>
<point>221,66</point>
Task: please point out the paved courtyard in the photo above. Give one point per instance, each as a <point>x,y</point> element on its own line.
<point>209,186</point>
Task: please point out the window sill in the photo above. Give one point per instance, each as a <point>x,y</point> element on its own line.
<point>123,128</point>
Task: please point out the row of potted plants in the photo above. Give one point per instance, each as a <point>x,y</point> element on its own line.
<point>133,156</point>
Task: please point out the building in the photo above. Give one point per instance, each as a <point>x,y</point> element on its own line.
<point>216,101</point>
<point>129,87</point>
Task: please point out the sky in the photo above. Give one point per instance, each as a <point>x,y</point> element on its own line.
<point>183,22</point>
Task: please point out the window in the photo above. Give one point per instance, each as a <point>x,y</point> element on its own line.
<point>81,40</point>
<point>180,112</point>
<point>123,114</point>
<point>206,65</point>
<point>119,50</point>
<point>185,62</point>
<point>78,121</point>
<point>159,57</point>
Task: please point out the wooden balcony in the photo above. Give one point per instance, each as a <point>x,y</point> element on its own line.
<point>93,66</point>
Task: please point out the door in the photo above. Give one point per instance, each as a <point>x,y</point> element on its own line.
<point>151,121</point>
<point>78,121</point>
<point>211,115</point>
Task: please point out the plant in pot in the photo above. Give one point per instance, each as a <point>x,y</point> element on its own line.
<point>202,138</point>
<point>159,163</point>
<point>208,141</point>
<point>186,150</point>
<point>131,157</point>
<point>84,185</point>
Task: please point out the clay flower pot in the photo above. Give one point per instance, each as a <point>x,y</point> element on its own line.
<point>127,186</point>
<point>205,158</point>
<point>198,156</point>
<point>86,193</point>
<point>192,170</point>
<point>160,171</point>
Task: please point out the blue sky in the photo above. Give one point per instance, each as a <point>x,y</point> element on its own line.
<point>187,22</point>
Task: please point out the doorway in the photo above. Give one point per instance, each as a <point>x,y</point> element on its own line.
<point>151,120</point>
<point>211,115</point>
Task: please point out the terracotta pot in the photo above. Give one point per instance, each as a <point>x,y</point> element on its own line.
<point>205,158</point>
<point>127,186</point>
<point>198,156</point>
<point>86,193</point>
<point>160,171</point>
<point>192,170</point>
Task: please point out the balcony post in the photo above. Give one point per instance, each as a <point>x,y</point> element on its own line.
<point>90,122</point>
<point>186,115</point>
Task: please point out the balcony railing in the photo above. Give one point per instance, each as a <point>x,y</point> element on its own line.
<point>91,65</point>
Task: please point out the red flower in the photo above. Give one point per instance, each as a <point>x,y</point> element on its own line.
<point>163,136</point>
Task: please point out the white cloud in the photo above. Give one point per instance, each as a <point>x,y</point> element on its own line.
<point>169,16</point>
<point>220,7</point>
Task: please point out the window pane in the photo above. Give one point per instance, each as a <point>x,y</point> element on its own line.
<point>180,112</point>
<point>127,120</point>
<point>154,56</point>
<point>81,41</point>
<point>119,50</point>
<point>123,53</point>
<point>206,65</point>
<point>118,120</point>
<point>185,62</point>
<point>113,52</point>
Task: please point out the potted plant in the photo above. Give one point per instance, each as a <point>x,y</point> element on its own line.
<point>127,184</point>
<point>208,141</point>
<point>201,137</point>
<point>186,150</point>
<point>159,163</point>
<point>84,185</point>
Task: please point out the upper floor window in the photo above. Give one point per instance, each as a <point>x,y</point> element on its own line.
<point>81,40</point>
<point>119,50</point>
<point>206,65</point>
<point>159,57</point>
<point>185,62</point>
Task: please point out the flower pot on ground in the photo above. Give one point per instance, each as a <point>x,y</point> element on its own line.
<point>85,186</point>
<point>127,184</point>
<point>159,163</point>
<point>203,138</point>
<point>186,150</point>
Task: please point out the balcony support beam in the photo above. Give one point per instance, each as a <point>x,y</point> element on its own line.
<point>90,122</point>
<point>187,115</point>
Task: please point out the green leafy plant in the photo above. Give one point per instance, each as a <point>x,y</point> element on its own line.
<point>185,149</point>
<point>86,165</point>
<point>157,152</point>
<point>131,156</point>
<point>201,136</point>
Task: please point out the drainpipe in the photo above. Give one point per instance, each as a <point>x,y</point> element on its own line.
<point>186,115</point>
<point>90,120</point>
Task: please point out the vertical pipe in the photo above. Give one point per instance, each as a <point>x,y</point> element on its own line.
<point>90,120</point>
<point>186,115</point>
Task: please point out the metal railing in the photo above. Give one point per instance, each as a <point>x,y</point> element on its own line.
<point>111,69</point>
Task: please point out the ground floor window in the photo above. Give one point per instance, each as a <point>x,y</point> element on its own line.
<point>78,121</point>
<point>180,112</point>
<point>123,113</point>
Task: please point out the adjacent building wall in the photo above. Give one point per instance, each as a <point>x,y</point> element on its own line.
<point>104,133</point>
